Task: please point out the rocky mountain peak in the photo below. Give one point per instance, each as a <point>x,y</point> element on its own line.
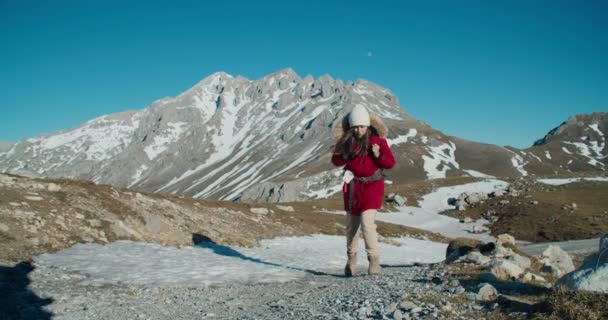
<point>586,127</point>
<point>227,135</point>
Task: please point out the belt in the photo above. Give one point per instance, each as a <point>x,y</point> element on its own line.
<point>379,174</point>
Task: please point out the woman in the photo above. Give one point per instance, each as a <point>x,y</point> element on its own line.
<point>363,151</point>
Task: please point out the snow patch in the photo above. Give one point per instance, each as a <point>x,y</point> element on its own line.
<point>441,157</point>
<point>518,163</point>
<point>562,181</point>
<point>427,216</point>
<point>276,260</point>
<point>137,175</point>
<point>402,138</point>
<point>596,129</point>
<point>477,174</point>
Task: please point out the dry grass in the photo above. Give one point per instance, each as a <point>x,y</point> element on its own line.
<point>567,305</point>
<point>547,221</point>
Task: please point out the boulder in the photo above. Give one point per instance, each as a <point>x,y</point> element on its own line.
<point>475,257</point>
<point>466,220</point>
<point>479,229</point>
<point>505,270</point>
<point>460,247</point>
<point>592,275</point>
<point>502,252</point>
<point>285,208</point>
<point>521,261</point>
<point>474,198</point>
<point>531,277</point>
<point>399,200</point>
<point>486,292</point>
<point>505,238</point>
<point>556,261</point>
<point>262,211</point>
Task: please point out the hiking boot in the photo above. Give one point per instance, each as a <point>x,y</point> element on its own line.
<point>374,266</point>
<point>351,266</point>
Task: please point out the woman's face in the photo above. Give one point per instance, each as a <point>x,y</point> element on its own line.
<point>360,131</point>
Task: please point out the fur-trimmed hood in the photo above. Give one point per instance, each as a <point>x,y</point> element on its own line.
<point>374,121</point>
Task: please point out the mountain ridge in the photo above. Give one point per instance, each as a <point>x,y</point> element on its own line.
<point>227,135</point>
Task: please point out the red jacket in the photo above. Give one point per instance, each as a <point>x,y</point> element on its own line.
<point>368,194</point>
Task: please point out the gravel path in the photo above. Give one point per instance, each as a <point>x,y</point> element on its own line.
<point>412,292</point>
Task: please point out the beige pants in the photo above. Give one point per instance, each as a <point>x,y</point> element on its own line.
<point>363,223</point>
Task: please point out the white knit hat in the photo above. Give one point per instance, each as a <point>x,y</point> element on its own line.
<point>359,116</point>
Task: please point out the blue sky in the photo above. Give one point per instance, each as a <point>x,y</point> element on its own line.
<point>501,72</point>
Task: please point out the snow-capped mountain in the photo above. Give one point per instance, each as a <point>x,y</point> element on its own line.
<point>5,146</point>
<point>268,139</point>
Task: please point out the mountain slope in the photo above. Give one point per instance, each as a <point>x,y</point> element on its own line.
<point>266,139</point>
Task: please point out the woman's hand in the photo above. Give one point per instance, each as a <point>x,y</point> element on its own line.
<point>376,150</point>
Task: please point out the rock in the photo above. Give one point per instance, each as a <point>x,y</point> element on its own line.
<point>448,308</point>
<point>531,277</point>
<point>521,261</point>
<point>399,200</point>
<point>504,202</point>
<point>487,248</point>
<point>505,238</point>
<point>397,315</point>
<point>475,257</point>
<point>95,222</point>
<point>466,220</point>
<point>407,305</point>
<point>285,208</point>
<point>262,211</point>
<point>501,252</point>
<point>574,206</point>
<point>461,207</point>
<point>556,261</point>
<point>4,228</point>
<point>486,292</point>
<point>592,275</point>
<point>391,308</point>
<point>454,283</point>
<point>534,202</point>
<point>474,198</point>
<point>53,187</point>
<point>505,270</point>
<point>479,229</point>
<point>460,247</point>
